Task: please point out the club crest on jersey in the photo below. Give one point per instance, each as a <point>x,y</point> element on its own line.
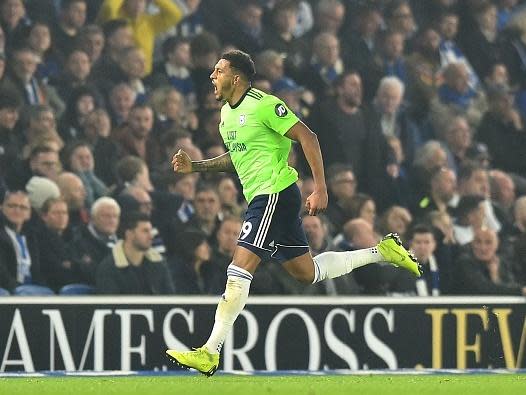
<point>280,110</point>
<point>242,119</point>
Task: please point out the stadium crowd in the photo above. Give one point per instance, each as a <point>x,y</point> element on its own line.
<point>419,107</point>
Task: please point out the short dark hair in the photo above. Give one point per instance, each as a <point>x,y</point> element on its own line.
<point>419,228</point>
<point>467,169</point>
<point>130,221</point>
<point>50,202</point>
<point>65,4</point>
<point>242,62</point>
<point>336,169</point>
<point>40,149</point>
<point>128,167</point>
<point>171,43</point>
<point>109,28</point>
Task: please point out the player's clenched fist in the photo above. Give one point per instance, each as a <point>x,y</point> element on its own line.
<point>182,162</point>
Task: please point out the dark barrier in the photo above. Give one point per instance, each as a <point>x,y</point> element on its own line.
<point>119,333</point>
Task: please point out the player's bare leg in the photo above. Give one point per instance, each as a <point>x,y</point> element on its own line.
<point>206,359</point>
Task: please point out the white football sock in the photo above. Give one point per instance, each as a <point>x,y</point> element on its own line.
<point>229,307</point>
<point>335,264</point>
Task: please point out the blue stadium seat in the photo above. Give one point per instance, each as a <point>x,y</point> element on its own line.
<point>32,290</point>
<point>4,292</point>
<point>77,289</point>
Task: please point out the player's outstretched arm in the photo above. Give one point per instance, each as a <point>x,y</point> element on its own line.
<point>182,163</point>
<point>318,200</point>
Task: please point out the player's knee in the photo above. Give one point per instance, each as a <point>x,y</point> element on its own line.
<point>304,277</point>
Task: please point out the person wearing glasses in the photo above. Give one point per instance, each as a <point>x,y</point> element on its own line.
<point>19,254</point>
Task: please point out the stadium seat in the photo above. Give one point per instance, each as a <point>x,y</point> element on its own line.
<point>77,289</point>
<point>4,292</point>
<point>32,290</point>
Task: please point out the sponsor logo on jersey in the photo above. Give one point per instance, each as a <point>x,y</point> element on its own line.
<point>280,110</point>
<point>242,119</point>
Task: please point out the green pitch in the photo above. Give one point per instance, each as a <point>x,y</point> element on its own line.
<point>508,384</point>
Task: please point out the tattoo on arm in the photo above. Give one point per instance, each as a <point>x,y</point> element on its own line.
<point>217,164</point>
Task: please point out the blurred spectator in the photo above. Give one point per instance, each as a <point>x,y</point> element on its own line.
<point>245,30</point>
<point>456,97</point>
<point>80,161</point>
<point>474,180</point>
<point>136,198</point>
<point>77,69</point>
<point>450,52</point>
<point>399,16</point>
<point>458,137</point>
<point>94,241</point>
<point>430,157</point>
<point>502,130</point>
<point>395,219</point>
<point>83,100</point>
<point>279,35</point>
<point>329,16</point>
<point>43,161</point>
<point>121,100</point>
<point>19,253</point>
<point>388,61</point>
<point>186,266</point>
<point>9,144</point>
<point>133,267</point>
<point>505,11</point>
<point>146,27</point>
<point>214,271</point>
<point>442,186</point>
<point>341,184</point>
<point>470,217</point>
<point>71,18</point>
<point>340,125</point>
<point>229,197</point>
<point>358,51</point>
<point>171,111</point>
<point>205,49</point>
<point>73,191</point>
<point>117,37</point>
<point>480,270</point>
<point>91,40</point>
<point>174,70</point>
<point>97,130</point>
<point>502,189</point>
<point>135,137</point>
<point>325,66</point>
<point>23,69</point>
<point>57,254</point>
<point>423,70</point>
<point>207,216</point>
<point>363,206</point>
<point>394,118</point>
<point>132,71</point>
<point>132,170</point>
<point>480,42</point>
<point>40,41</point>
<point>14,21</point>
<point>183,185</point>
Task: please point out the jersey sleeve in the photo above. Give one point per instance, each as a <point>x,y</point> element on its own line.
<point>275,114</point>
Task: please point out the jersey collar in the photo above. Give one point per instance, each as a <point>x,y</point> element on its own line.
<point>240,99</point>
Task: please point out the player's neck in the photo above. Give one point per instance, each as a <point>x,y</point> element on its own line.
<point>238,94</point>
